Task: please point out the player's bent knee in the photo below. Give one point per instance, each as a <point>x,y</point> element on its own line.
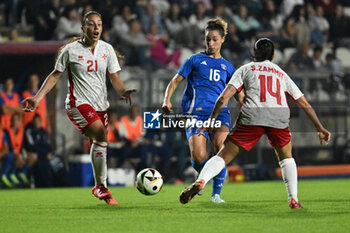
<point>199,156</point>
<point>101,135</point>
<point>97,131</point>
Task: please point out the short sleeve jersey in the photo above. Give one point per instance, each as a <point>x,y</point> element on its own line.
<point>266,86</point>
<point>206,79</point>
<point>87,73</point>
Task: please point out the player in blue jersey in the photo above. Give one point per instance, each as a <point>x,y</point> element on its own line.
<point>207,74</point>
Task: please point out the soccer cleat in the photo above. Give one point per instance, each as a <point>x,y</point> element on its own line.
<point>14,179</point>
<point>23,177</point>
<point>217,199</point>
<point>6,181</point>
<point>111,201</point>
<point>201,192</point>
<point>190,192</point>
<point>293,204</point>
<point>102,193</point>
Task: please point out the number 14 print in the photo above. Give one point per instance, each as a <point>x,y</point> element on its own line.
<point>263,85</point>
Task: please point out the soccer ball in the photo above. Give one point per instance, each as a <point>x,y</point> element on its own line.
<point>149,181</point>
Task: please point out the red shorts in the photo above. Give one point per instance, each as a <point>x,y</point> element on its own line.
<point>84,115</point>
<point>247,136</point>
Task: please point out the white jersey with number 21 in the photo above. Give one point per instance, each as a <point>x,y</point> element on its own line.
<point>87,73</point>
<point>266,86</point>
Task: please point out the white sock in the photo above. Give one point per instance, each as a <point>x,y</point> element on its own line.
<point>211,168</point>
<point>98,152</point>
<point>290,177</point>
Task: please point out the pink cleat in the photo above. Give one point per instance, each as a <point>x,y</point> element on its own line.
<point>102,193</point>
<point>190,192</point>
<point>293,204</point>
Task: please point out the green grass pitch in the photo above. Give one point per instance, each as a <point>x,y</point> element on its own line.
<point>251,207</point>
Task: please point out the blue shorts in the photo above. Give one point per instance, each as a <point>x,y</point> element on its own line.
<point>224,117</point>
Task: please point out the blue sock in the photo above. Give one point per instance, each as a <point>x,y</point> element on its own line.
<point>25,169</point>
<point>198,166</point>
<point>218,182</point>
<point>7,163</point>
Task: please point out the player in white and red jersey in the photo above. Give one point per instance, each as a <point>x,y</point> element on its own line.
<point>87,60</point>
<point>265,111</point>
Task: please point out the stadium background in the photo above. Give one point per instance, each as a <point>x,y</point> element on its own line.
<point>32,32</point>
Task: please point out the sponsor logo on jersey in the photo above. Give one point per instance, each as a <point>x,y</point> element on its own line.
<point>151,120</point>
<point>204,63</point>
<point>80,58</point>
<point>223,66</point>
<point>104,56</point>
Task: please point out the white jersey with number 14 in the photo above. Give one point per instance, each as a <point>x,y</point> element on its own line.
<point>266,86</point>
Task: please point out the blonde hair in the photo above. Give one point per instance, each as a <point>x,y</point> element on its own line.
<point>217,24</point>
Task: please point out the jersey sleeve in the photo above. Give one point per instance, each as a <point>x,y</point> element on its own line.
<point>292,89</point>
<point>112,62</point>
<point>237,79</point>
<point>2,102</point>
<point>186,67</point>
<point>62,60</point>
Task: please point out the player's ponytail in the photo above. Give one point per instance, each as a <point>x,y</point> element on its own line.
<point>70,41</point>
<point>217,24</point>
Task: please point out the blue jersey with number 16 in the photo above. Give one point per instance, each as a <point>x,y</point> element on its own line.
<point>206,79</point>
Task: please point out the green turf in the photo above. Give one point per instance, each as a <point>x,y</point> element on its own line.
<point>252,207</point>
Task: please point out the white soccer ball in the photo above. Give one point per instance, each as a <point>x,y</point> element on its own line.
<point>149,181</point>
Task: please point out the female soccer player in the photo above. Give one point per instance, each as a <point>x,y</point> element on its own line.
<point>207,75</point>
<point>87,60</point>
<point>265,111</point>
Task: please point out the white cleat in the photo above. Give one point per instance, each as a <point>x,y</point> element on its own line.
<point>216,199</point>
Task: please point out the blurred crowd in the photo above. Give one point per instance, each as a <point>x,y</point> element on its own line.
<point>26,153</point>
<point>157,32</point>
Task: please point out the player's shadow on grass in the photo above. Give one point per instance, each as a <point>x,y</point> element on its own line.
<point>267,208</point>
<point>124,206</point>
<point>104,207</point>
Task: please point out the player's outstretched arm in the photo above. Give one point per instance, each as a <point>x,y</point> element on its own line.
<point>30,104</point>
<point>118,85</point>
<point>323,134</point>
<point>167,107</point>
